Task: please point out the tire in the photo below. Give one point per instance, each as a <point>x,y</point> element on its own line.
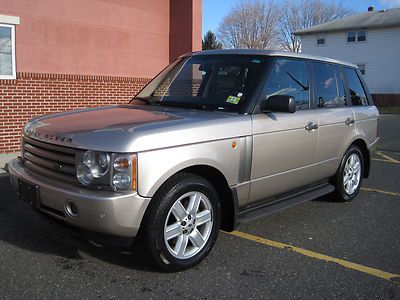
<point>170,222</point>
<point>349,172</point>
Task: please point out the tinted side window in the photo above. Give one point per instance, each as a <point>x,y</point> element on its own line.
<point>289,77</point>
<point>357,93</point>
<point>326,89</point>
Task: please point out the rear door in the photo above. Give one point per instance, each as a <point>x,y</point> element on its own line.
<point>335,118</point>
<point>283,149</point>
<point>366,115</point>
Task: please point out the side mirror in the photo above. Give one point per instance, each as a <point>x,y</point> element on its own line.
<point>278,103</point>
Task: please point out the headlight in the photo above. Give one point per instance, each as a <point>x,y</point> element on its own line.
<point>121,180</point>
<point>84,174</point>
<point>98,162</point>
<point>113,170</point>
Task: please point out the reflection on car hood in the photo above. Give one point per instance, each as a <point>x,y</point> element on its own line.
<point>133,128</point>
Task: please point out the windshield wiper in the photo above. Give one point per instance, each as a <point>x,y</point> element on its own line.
<point>143,99</point>
<point>186,105</point>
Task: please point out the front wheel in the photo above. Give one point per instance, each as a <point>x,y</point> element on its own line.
<point>348,177</point>
<point>182,222</point>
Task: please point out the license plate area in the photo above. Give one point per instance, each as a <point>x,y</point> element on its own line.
<point>28,193</point>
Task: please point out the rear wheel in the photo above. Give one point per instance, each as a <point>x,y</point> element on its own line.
<point>182,223</point>
<point>348,177</point>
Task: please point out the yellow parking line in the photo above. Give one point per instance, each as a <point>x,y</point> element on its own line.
<point>384,160</point>
<point>312,254</point>
<point>388,157</point>
<point>381,191</point>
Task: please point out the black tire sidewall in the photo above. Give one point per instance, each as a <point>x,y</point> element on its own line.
<point>344,196</point>
<point>165,201</point>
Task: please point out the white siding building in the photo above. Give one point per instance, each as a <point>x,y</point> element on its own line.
<point>370,40</point>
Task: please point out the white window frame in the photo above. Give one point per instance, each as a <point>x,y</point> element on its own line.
<point>13,61</point>
<point>362,30</point>
<point>356,41</point>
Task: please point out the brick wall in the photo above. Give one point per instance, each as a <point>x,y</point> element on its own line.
<point>34,94</point>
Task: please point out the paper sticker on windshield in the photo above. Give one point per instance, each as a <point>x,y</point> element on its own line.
<point>233,99</point>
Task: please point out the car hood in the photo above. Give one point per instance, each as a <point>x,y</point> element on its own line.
<point>134,128</point>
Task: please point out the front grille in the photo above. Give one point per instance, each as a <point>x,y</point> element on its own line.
<point>49,160</point>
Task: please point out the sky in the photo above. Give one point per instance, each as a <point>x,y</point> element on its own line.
<point>215,10</point>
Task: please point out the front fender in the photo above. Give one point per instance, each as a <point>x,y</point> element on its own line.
<point>155,167</point>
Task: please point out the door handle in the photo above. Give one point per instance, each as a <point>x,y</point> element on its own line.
<point>349,121</point>
<point>311,126</point>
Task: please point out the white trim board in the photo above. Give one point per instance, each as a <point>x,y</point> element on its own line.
<point>9,20</point>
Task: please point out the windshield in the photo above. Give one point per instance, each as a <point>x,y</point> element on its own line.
<point>215,82</point>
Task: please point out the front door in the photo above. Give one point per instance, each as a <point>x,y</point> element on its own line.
<point>284,144</point>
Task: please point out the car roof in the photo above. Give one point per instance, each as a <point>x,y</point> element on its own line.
<point>269,53</point>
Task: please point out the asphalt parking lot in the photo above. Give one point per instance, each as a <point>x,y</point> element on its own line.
<point>318,249</point>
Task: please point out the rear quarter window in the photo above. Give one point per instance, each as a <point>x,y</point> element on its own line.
<point>357,93</point>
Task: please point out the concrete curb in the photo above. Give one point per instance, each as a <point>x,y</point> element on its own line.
<point>4,159</point>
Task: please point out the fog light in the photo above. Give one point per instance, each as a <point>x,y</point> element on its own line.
<point>84,174</point>
<point>71,208</point>
<point>121,181</point>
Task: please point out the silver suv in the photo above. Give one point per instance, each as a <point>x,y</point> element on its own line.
<point>218,137</point>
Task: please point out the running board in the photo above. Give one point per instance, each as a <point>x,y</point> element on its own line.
<point>284,202</point>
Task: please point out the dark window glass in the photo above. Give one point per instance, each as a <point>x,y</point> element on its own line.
<point>357,93</point>
<point>351,37</point>
<point>321,39</point>
<point>289,77</point>
<point>361,36</point>
<point>214,82</point>
<point>326,90</point>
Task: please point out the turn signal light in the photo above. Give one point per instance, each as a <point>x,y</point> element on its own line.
<point>134,175</point>
<point>121,164</point>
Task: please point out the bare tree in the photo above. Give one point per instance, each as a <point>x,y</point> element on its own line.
<point>250,24</point>
<point>296,15</point>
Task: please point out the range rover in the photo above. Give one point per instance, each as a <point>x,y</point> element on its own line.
<point>216,138</point>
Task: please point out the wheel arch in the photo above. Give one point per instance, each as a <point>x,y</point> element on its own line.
<point>220,183</point>
<point>226,198</point>
<point>362,145</point>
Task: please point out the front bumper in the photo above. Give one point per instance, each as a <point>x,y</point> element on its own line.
<point>103,212</point>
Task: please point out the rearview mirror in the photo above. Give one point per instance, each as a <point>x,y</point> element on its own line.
<point>278,103</point>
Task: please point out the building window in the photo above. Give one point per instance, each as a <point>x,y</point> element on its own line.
<point>321,39</point>
<point>361,36</point>
<point>351,37</point>
<point>7,51</point>
<point>361,67</point>
<point>356,36</point>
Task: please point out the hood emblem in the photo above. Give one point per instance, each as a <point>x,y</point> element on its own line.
<point>47,136</point>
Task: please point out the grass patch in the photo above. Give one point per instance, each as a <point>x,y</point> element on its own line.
<point>389,110</point>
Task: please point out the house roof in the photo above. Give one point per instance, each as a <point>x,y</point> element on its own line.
<point>371,19</point>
